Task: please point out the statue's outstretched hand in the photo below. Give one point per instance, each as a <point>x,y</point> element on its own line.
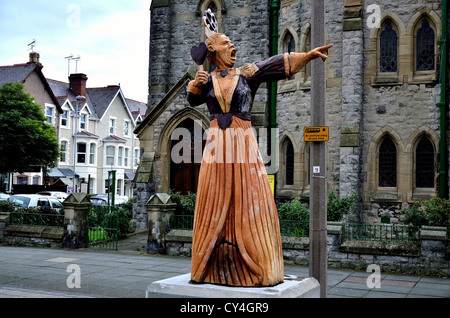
<point>320,52</point>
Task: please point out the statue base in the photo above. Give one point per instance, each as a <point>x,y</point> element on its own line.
<point>180,286</point>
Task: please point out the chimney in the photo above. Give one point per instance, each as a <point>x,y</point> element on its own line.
<point>78,83</point>
<point>34,57</point>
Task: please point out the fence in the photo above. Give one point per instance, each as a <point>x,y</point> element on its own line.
<point>103,227</point>
<point>381,232</point>
<point>358,232</point>
<point>36,219</point>
<point>294,228</point>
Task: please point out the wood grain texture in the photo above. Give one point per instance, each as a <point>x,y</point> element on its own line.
<point>236,238</point>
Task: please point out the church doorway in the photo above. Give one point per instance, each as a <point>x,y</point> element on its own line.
<point>184,175</point>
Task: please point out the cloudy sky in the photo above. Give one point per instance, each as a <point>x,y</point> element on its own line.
<point>110,36</point>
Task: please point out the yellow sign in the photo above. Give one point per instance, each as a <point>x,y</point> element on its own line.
<point>316,133</point>
<point>272,183</point>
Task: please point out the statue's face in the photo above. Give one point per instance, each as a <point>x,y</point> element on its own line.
<point>225,52</point>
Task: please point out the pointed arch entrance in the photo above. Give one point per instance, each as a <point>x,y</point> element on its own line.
<point>185,169</point>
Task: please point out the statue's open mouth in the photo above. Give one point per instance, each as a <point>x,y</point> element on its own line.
<point>233,54</point>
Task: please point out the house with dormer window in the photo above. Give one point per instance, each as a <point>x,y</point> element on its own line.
<point>31,77</point>
<point>96,135</point>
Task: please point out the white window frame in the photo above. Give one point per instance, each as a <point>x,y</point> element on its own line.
<point>79,152</point>
<point>85,122</point>
<point>112,125</point>
<point>120,156</point>
<point>50,119</point>
<point>126,157</point>
<point>136,158</point>
<point>92,154</point>
<point>126,128</point>
<point>110,156</point>
<point>67,118</point>
<point>66,152</point>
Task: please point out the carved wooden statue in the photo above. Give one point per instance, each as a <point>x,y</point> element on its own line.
<point>236,239</point>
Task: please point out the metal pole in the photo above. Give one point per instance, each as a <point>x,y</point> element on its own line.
<point>318,193</point>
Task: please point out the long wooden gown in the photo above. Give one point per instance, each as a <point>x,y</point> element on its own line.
<point>236,238</point>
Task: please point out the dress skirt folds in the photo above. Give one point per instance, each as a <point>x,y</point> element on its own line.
<point>236,238</point>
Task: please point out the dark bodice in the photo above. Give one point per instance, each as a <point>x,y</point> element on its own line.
<point>272,69</point>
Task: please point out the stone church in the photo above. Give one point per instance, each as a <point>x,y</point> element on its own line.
<point>387,111</point>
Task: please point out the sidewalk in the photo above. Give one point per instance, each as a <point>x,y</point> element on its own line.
<point>44,273</point>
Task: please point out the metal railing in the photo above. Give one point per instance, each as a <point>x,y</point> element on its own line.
<point>36,219</point>
<point>287,227</point>
<point>182,222</point>
<point>359,232</point>
<point>294,228</point>
<point>103,227</point>
<point>381,232</point>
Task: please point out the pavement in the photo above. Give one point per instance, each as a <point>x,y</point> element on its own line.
<point>126,273</point>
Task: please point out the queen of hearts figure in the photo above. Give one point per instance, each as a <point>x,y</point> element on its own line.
<point>236,237</point>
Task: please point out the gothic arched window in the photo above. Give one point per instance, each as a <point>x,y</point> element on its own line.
<point>387,164</point>
<point>425,47</point>
<point>289,163</point>
<point>425,164</point>
<point>289,43</point>
<point>388,49</point>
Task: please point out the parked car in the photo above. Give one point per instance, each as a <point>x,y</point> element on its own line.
<point>103,200</point>
<point>61,196</point>
<point>43,202</point>
<point>4,196</point>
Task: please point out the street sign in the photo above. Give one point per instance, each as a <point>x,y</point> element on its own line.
<point>316,133</point>
<point>272,183</point>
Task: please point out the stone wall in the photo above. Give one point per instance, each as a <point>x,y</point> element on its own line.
<point>429,256</point>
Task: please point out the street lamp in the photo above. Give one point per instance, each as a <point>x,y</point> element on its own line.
<point>78,99</point>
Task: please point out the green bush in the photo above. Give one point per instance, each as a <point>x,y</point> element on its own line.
<point>294,210</point>
<point>125,217</point>
<point>433,212</point>
<point>416,215</point>
<point>185,203</point>
<point>6,206</point>
<point>337,208</point>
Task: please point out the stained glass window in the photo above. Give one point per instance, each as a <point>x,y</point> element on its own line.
<point>289,164</point>
<point>387,162</point>
<point>425,164</point>
<point>425,47</point>
<point>388,49</point>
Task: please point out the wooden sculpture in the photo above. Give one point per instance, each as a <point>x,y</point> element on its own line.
<point>236,238</point>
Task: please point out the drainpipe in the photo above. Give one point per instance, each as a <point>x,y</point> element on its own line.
<point>274,15</point>
<point>443,170</point>
<point>274,6</point>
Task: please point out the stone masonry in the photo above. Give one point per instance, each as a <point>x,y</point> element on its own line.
<point>363,105</point>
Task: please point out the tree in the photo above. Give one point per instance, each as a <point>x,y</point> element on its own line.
<point>26,141</point>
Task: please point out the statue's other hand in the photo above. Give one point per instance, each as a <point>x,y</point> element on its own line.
<point>201,78</point>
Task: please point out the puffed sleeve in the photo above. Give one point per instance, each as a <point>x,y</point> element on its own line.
<point>195,95</point>
<point>272,69</point>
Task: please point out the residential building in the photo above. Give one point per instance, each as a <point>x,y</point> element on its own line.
<point>34,82</point>
<point>100,139</point>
